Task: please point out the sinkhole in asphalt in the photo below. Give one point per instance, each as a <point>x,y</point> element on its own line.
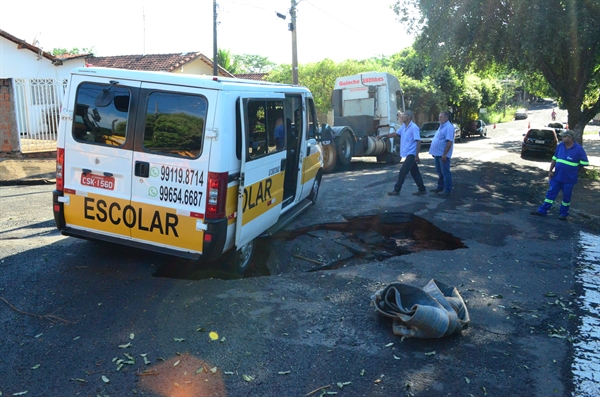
<point>329,246</point>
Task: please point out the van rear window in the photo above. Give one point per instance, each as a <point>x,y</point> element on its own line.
<point>541,134</point>
<point>175,124</point>
<point>101,114</point>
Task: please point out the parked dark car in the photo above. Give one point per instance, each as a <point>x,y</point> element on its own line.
<point>429,129</point>
<point>474,127</point>
<point>559,128</point>
<point>539,140</point>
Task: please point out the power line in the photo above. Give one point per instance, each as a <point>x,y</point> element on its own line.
<point>341,22</point>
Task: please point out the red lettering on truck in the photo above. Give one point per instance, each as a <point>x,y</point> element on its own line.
<point>372,80</point>
<point>348,82</point>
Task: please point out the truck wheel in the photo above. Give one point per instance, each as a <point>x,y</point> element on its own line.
<point>329,157</point>
<point>344,152</point>
<point>238,261</point>
<point>393,158</point>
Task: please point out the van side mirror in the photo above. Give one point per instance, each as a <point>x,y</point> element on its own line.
<point>326,134</point>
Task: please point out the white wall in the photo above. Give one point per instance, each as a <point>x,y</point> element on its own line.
<point>23,63</point>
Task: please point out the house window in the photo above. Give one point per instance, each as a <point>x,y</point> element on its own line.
<point>175,124</point>
<point>101,123</point>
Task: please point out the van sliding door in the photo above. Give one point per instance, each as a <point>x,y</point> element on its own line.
<point>263,157</point>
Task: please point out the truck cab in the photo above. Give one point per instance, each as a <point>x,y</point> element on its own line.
<point>365,105</point>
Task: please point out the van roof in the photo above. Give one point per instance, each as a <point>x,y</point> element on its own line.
<point>211,82</point>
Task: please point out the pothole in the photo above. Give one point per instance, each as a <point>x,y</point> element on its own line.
<point>333,245</point>
<point>369,237</point>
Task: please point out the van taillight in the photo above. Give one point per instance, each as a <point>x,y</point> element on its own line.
<point>60,166</point>
<point>216,195</point>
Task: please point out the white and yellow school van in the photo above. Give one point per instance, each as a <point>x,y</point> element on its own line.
<point>192,166</point>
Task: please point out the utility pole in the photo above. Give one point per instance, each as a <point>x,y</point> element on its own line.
<point>215,53</point>
<point>292,28</point>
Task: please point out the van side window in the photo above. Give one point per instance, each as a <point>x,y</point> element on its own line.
<point>175,124</point>
<point>103,123</point>
<point>266,132</point>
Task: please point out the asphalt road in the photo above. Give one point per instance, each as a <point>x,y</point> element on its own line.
<point>87,318</point>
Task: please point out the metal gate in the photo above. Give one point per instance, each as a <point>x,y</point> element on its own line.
<point>37,104</point>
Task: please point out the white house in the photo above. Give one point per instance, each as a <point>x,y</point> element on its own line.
<point>32,83</point>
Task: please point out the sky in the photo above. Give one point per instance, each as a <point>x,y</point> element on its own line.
<point>334,29</point>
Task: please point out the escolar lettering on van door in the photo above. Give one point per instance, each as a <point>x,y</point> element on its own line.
<point>262,196</point>
<point>257,193</point>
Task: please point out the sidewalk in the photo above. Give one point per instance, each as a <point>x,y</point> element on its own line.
<point>27,171</point>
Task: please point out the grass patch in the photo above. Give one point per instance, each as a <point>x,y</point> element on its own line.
<point>590,172</point>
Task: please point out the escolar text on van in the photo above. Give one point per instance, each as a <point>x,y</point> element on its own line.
<point>187,165</point>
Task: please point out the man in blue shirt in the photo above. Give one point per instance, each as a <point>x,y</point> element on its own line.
<point>279,134</point>
<point>410,144</point>
<point>567,159</point>
<point>441,150</point>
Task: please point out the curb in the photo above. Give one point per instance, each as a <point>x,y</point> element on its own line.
<point>27,182</point>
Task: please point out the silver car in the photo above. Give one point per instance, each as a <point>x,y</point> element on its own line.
<point>521,114</point>
<point>429,129</point>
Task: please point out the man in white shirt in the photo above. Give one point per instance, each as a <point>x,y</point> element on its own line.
<point>441,150</point>
<point>410,144</point>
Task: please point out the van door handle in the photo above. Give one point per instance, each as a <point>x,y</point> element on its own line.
<point>142,168</point>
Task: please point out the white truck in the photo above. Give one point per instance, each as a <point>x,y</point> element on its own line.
<point>365,105</point>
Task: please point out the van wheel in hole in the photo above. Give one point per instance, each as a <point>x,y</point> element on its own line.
<point>239,261</point>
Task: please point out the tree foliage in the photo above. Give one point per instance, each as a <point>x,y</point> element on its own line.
<point>224,60</point>
<point>72,51</point>
<point>555,38</point>
<point>426,90</point>
<point>247,63</point>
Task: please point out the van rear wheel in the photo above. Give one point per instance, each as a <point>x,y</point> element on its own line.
<point>239,261</point>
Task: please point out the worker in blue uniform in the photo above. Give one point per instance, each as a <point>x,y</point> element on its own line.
<point>564,168</point>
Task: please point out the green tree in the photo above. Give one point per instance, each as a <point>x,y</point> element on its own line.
<point>224,60</point>
<point>559,39</point>
<point>72,51</point>
<point>246,63</point>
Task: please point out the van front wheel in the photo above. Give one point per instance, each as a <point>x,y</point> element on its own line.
<point>314,193</point>
<point>240,260</point>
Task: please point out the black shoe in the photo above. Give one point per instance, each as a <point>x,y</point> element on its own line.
<point>537,213</point>
<point>419,193</point>
<point>437,190</point>
<point>562,217</point>
<point>393,193</point>
<point>444,193</point>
